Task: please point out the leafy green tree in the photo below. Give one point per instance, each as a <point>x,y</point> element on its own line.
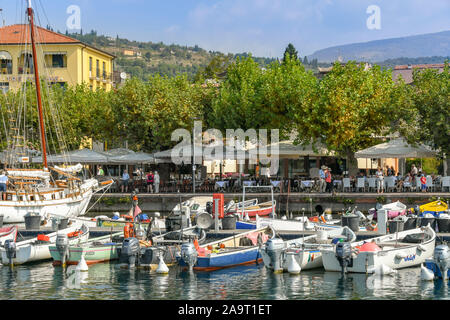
<point>347,109</point>
<point>432,99</point>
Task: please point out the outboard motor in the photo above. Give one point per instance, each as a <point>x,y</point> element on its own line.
<point>10,247</point>
<point>189,254</point>
<point>274,249</point>
<point>62,245</point>
<point>442,259</point>
<point>344,255</point>
<point>129,252</point>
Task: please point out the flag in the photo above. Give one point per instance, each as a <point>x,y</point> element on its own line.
<point>137,211</point>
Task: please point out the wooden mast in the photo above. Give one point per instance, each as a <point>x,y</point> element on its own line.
<point>38,87</point>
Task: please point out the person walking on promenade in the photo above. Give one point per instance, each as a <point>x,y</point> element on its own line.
<point>150,180</point>
<point>328,180</point>
<point>322,183</point>
<point>423,181</point>
<point>156,182</point>
<point>125,180</point>
<point>3,184</point>
<point>380,180</point>
<point>414,171</point>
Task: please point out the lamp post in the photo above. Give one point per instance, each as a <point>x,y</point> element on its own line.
<point>193,154</point>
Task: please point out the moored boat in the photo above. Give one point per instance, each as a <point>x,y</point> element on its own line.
<point>240,249</point>
<point>95,250</point>
<point>37,248</point>
<point>305,250</point>
<point>398,250</point>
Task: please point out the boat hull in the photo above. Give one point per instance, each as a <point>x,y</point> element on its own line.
<point>226,260</point>
<point>395,258</point>
<point>15,211</point>
<point>92,255</point>
<point>35,251</point>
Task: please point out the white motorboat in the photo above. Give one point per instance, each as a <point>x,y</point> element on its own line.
<point>37,248</point>
<point>398,250</point>
<point>305,250</point>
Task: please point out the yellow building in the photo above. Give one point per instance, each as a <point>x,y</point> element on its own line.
<point>61,59</point>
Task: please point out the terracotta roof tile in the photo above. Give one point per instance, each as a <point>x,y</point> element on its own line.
<point>16,34</point>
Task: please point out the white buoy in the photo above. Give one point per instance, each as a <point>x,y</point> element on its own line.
<point>383,269</point>
<point>426,274</point>
<point>82,265</point>
<point>162,267</point>
<point>283,218</point>
<point>247,218</point>
<point>292,265</point>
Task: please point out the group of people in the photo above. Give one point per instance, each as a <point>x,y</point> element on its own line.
<point>152,179</point>
<point>407,181</point>
<point>325,183</point>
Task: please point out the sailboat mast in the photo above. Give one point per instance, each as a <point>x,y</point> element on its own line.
<point>38,87</point>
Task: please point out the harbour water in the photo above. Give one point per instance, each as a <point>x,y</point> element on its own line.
<point>108,282</point>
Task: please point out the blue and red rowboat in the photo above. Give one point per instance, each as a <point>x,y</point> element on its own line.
<point>237,250</point>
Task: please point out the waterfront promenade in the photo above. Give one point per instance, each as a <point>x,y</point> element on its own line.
<point>292,202</point>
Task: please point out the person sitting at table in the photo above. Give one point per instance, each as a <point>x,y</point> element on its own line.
<point>150,179</point>
<point>125,181</point>
<point>405,183</point>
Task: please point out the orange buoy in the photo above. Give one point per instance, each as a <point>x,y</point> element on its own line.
<point>370,247</point>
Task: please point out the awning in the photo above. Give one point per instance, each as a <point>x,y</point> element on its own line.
<point>397,148</point>
<point>133,158</point>
<point>4,55</point>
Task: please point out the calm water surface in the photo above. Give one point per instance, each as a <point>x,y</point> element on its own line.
<point>108,282</point>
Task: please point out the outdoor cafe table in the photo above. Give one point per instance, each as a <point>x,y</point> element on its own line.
<point>221,184</point>
<point>337,184</point>
<point>307,184</point>
<point>249,183</point>
<point>275,183</point>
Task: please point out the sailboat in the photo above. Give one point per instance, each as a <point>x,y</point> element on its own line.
<point>37,191</point>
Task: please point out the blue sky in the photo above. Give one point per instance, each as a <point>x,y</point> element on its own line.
<point>263,27</point>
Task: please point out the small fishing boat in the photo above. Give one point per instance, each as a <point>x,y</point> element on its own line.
<point>439,264</point>
<point>436,208</point>
<point>398,250</point>
<point>299,224</point>
<point>260,209</point>
<point>240,249</point>
<point>144,249</point>
<point>37,248</point>
<point>305,250</point>
<point>8,233</point>
<point>95,250</point>
<point>393,210</point>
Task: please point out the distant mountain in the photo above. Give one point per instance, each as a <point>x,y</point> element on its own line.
<point>425,45</point>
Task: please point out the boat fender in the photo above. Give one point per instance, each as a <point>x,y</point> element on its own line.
<point>293,266</point>
<point>128,231</point>
<point>43,237</point>
<point>426,274</point>
<point>74,234</point>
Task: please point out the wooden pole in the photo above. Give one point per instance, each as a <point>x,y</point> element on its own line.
<point>38,87</point>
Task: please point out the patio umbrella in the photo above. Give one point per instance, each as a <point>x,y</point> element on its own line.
<point>83,156</point>
<point>133,158</point>
<point>397,148</point>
